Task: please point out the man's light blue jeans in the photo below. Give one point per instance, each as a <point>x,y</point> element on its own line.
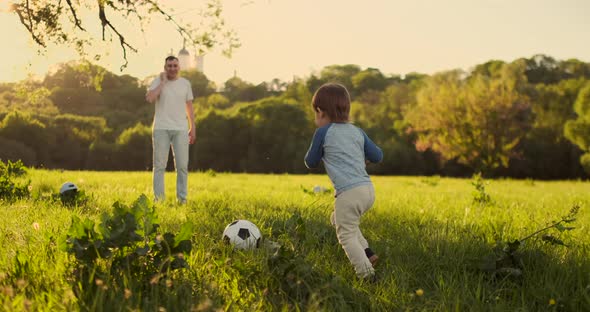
<point>161,141</point>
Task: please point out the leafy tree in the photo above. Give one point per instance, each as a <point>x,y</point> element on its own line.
<point>279,137</point>
<point>77,75</point>
<point>299,92</point>
<point>200,84</point>
<point>217,101</point>
<point>83,88</point>
<point>28,95</point>
<point>313,83</point>
<point>340,73</point>
<point>542,69</point>
<point>134,147</point>
<point>102,155</point>
<point>74,134</point>
<point>78,101</point>
<point>14,151</point>
<point>384,120</point>
<point>369,79</point>
<point>414,77</point>
<point>545,151</point>
<point>484,118</point>
<point>222,142</point>
<point>22,127</point>
<point>276,86</point>
<point>237,89</point>
<point>478,121</point>
<point>578,130</point>
<point>573,68</point>
<point>334,73</point>
<point>490,68</point>
<point>545,69</point>
<point>233,88</point>
<point>388,111</point>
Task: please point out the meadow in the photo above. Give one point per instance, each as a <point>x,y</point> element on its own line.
<point>432,236</point>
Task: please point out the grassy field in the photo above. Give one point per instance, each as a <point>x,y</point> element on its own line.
<point>431,236</point>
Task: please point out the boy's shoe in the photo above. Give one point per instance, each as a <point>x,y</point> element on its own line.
<point>372,256</point>
<point>374,259</point>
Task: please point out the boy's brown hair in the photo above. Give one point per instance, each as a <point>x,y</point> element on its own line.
<point>334,100</point>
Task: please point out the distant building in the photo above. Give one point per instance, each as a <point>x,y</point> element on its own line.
<point>200,61</point>
<point>187,62</point>
<point>184,59</point>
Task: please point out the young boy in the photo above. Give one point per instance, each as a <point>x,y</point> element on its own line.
<point>345,150</point>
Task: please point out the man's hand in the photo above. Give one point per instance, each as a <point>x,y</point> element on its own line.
<point>152,95</point>
<point>163,77</point>
<point>192,135</point>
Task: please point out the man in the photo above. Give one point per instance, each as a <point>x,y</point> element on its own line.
<point>173,98</point>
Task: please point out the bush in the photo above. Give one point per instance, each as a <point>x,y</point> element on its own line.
<point>14,150</point>
<point>9,189</point>
<point>134,147</point>
<point>126,250</point>
<point>585,161</point>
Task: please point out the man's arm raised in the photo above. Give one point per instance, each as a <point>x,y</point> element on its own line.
<point>153,94</point>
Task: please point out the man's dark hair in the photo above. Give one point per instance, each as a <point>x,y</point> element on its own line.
<point>171,58</point>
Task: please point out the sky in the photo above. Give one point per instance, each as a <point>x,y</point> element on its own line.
<point>295,38</point>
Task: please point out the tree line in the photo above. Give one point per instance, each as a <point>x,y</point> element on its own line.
<point>529,118</point>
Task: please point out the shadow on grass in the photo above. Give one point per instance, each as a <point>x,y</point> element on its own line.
<point>446,261</point>
<point>311,272</point>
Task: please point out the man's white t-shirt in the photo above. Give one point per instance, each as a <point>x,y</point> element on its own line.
<point>171,104</point>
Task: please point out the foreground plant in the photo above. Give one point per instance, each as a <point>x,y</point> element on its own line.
<point>479,194</point>
<point>9,189</point>
<point>126,250</point>
<point>507,261</point>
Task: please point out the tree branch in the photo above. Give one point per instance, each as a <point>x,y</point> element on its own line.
<point>29,14</point>
<point>169,17</point>
<point>42,19</point>
<point>105,22</point>
<point>19,11</point>
<point>77,21</point>
<point>139,17</point>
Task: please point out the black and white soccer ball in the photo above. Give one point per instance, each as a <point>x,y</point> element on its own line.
<point>242,234</point>
<point>68,188</point>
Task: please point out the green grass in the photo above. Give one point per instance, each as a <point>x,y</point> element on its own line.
<point>429,234</point>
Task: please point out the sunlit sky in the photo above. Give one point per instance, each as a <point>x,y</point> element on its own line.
<point>287,38</point>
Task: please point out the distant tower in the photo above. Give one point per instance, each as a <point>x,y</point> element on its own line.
<point>184,59</point>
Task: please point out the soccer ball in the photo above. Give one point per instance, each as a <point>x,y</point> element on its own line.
<point>243,234</point>
<point>68,187</point>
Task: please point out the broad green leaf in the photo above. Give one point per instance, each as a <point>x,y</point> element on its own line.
<point>562,228</point>
<point>553,240</point>
<point>186,232</point>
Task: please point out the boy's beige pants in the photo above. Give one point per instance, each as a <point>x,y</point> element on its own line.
<point>350,206</point>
